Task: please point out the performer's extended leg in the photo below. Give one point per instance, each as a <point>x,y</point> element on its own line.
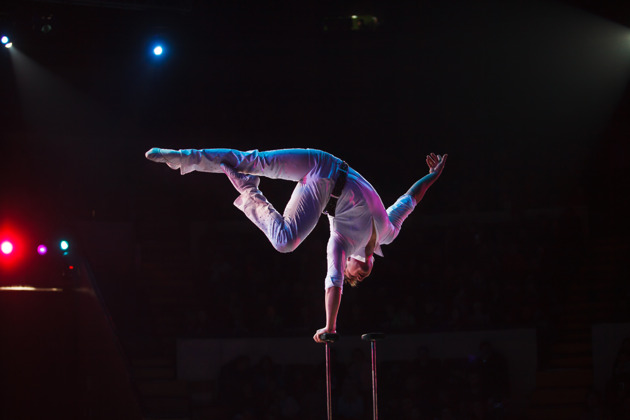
<point>288,164</point>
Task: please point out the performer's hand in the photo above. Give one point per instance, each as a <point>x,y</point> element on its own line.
<point>320,332</point>
<point>436,163</point>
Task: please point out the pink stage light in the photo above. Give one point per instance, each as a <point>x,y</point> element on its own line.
<point>42,250</point>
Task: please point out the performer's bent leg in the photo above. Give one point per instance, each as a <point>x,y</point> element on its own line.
<point>287,231</point>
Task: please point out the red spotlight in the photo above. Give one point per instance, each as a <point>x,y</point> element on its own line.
<point>6,247</point>
<point>11,248</point>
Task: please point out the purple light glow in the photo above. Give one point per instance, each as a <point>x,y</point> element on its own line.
<point>42,250</point>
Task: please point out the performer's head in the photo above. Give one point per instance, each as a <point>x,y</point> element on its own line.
<point>356,270</point>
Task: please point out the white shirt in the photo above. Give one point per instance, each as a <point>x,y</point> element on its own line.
<point>350,230</point>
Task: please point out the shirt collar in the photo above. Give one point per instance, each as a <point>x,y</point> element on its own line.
<point>361,256</point>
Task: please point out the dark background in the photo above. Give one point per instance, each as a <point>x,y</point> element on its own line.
<point>529,98</point>
<point>526,97</point>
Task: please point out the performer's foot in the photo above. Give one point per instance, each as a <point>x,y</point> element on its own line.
<point>241,182</point>
<point>169,156</point>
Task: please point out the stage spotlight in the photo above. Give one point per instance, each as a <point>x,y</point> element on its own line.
<point>8,45</point>
<point>6,247</point>
<point>158,47</point>
<point>4,39</point>
<point>64,245</point>
<point>42,249</point>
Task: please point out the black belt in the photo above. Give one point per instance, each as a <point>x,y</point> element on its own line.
<point>331,206</point>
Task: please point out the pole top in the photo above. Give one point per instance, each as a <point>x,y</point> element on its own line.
<point>329,337</point>
<point>374,336</point>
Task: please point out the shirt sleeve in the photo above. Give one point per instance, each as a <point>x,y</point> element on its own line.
<point>397,213</point>
<point>336,258</point>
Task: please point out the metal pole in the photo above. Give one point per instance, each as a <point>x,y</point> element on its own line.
<point>372,337</point>
<point>328,338</point>
<point>328,382</point>
<point>374,394</point>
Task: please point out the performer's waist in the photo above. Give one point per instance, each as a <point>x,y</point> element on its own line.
<point>340,182</point>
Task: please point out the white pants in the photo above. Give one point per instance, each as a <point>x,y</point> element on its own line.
<point>313,170</point>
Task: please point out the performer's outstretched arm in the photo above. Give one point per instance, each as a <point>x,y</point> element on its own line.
<point>436,165</point>
<point>332,302</point>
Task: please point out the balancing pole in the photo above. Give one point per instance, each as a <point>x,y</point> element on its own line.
<point>372,338</point>
<point>328,338</point>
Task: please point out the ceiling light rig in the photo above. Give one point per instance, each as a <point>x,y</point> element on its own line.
<point>354,23</point>
<point>44,23</point>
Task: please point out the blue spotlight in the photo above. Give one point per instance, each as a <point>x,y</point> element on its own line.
<point>158,50</point>
<point>4,39</point>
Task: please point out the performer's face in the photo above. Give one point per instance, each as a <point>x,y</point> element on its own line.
<point>358,270</point>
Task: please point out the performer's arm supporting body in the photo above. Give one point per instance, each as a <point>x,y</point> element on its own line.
<point>417,191</point>
<point>332,302</point>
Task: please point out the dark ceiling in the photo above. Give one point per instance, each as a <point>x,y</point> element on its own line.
<point>519,93</point>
